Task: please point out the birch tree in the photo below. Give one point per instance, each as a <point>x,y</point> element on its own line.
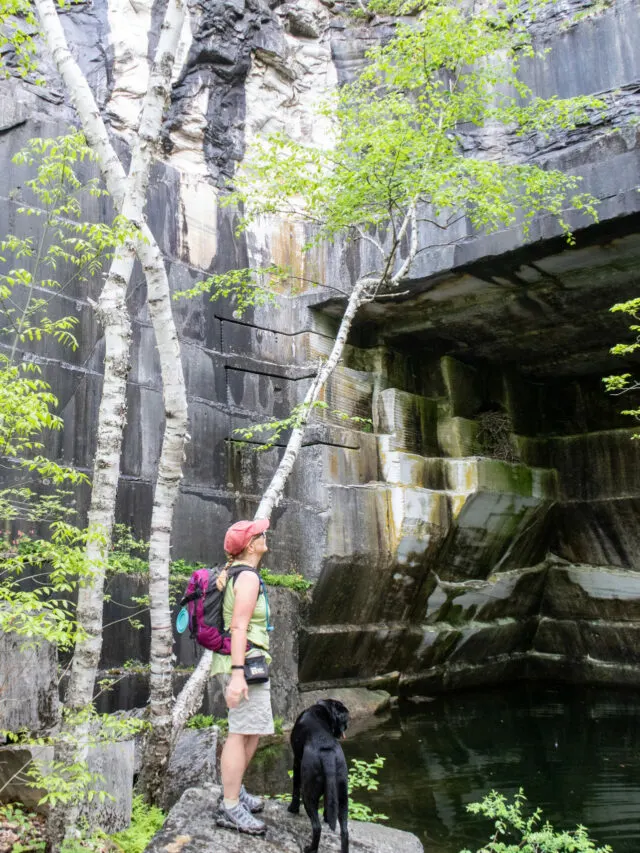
<point>128,191</point>
<point>400,170</point>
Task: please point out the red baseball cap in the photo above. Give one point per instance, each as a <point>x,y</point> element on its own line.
<point>239,534</point>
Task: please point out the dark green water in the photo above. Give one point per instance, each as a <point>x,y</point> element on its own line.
<point>576,753</point>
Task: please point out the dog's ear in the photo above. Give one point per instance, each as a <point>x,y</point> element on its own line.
<point>339,716</point>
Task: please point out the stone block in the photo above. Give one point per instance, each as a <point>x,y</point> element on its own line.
<point>287,613</point>
<point>565,670</point>
<point>145,362</point>
<point>134,504</point>
<point>28,684</point>
<point>265,396</point>
<point>347,393</point>
<point>192,764</point>
<point>457,436</point>
<point>201,519</point>
<point>479,644</point>
<point>275,347</point>
<point>461,382</point>
<point>208,453</point>
<point>602,533</point>
<point>516,594</point>
<point>322,465</point>
<point>297,539</point>
<point>343,652</point>
<point>480,474</point>
<point>122,641</point>
<point>590,592</point>
<point>441,679</point>
<point>195,318</point>
<point>204,374</point>
<point>361,702</point>
<point>378,542</point>
<point>79,395</point>
<point>143,432</point>
<point>113,762</point>
<point>614,644</point>
<point>411,421</point>
<point>493,531</point>
<point>595,466</point>
<point>399,467</point>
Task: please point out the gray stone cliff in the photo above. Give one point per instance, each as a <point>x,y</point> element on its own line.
<point>487,527</point>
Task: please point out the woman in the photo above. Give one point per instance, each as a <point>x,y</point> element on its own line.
<point>246,612</point>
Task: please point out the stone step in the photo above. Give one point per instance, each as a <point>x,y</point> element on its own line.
<point>464,476</point>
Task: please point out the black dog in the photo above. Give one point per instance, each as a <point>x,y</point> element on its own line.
<point>320,769</point>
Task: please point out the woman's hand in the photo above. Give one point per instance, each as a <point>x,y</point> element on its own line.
<point>237,689</point>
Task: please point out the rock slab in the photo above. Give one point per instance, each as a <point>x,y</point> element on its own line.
<point>112,762</point>
<point>190,828</point>
<point>28,684</point>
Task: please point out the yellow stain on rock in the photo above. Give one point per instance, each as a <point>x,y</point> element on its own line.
<point>287,241</point>
<point>198,233</point>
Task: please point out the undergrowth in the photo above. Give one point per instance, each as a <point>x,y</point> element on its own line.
<point>146,820</point>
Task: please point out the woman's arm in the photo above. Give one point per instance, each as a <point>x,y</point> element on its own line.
<point>246,595</point>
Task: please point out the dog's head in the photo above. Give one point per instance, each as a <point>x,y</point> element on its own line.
<point>338,716</point>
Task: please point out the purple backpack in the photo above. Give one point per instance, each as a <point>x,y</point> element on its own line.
<point>204,605</point>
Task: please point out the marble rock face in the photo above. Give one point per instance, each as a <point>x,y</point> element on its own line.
<point>479,520</point>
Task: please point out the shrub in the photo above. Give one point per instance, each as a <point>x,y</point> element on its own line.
<point>514,832</point>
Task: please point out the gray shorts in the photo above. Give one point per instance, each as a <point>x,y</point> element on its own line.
<point>252,716</point>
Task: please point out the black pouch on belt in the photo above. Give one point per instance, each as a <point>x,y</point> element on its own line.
<point>256,670</point>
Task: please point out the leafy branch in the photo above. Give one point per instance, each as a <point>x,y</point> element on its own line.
<point>248,287</point>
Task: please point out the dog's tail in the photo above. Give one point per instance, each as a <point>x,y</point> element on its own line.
<point>328,759</point>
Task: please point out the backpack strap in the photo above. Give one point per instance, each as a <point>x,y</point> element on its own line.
<point>234,571</point>
<point>232,574</point>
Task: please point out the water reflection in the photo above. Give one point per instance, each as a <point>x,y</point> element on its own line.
<point>576,752</point>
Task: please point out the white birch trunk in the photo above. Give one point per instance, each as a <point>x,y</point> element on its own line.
<point>129,195</point>
<point>158,744</point>
<point>190,697</point>
<point>73,746</point>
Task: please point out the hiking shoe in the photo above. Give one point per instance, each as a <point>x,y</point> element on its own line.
<point>253,803</point>
<point>241,819</point>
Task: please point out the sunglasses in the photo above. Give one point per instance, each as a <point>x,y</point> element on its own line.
<point>262,535</point>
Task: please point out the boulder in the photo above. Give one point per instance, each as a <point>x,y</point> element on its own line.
<point>360,701</point>
<point>191,826</point>
<point>193,763</point>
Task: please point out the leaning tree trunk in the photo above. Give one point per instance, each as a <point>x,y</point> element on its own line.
<point>129,195</point>
<point>190,697</point>
<point>365,289</point>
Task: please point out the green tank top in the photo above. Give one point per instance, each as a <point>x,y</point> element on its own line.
<point>256,631</point>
